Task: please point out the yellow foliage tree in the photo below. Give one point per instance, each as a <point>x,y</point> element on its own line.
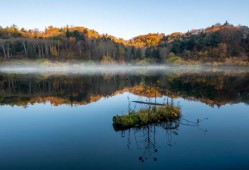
<point>107,60</point>
<point>53,51</point>
<point>173,59</point>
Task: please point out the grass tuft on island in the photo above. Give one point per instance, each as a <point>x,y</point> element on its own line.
<point>155,114</point>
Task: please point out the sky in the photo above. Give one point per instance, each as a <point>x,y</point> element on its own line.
<point>124,18</point>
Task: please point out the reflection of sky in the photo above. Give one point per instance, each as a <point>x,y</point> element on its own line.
<point>42,135</point>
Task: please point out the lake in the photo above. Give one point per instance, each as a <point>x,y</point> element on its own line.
<point>64,121</point>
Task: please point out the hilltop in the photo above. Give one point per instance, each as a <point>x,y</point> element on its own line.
<point>217,44</point>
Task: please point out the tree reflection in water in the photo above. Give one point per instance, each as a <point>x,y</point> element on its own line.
<point>212,88</point>
<point>145,138</point>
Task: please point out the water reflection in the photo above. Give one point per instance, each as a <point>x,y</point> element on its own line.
<point>145,139</point>
<point>212,88</point>
<point>54,138</point>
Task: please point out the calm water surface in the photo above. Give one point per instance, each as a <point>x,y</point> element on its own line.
<point>65,121</point>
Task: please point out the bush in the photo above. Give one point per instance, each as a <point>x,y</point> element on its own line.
<point>173,59</point>
<point>146,61</point>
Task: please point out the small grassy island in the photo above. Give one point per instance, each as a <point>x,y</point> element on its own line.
<point>154,114</point>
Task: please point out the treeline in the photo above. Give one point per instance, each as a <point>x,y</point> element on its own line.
<point>57,43</point>
<point>216,43</point>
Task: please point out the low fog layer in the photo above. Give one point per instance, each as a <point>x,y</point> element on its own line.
<point>90,68</point>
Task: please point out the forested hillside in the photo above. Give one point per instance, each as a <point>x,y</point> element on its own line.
<point>222,43</point>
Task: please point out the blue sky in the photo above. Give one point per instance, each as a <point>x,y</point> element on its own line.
<point>124,18</point>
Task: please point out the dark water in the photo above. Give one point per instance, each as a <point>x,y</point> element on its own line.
<point>65,121</point>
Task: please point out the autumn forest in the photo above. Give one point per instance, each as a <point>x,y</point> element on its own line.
<point>219,43</point>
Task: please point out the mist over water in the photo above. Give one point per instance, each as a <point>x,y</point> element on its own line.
<point>90,68</point>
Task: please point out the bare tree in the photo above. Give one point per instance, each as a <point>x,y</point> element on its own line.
<point>2,45</point>
<point>80,46</point>
<point>164,52</point>
<point>7,43</point>
<point>24,44</point>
